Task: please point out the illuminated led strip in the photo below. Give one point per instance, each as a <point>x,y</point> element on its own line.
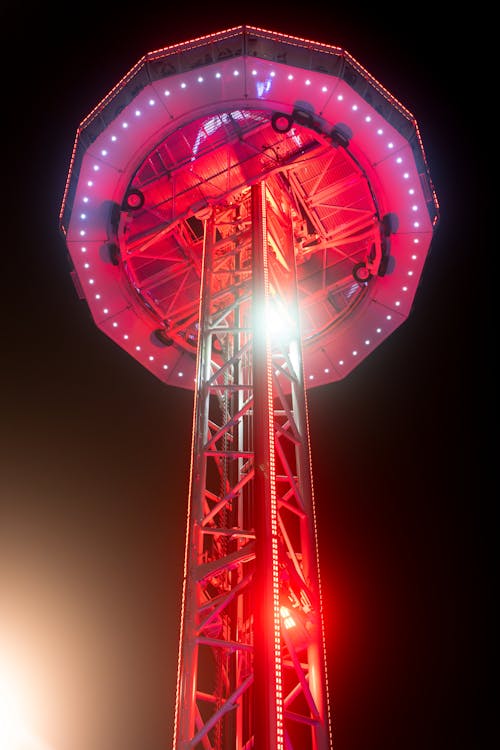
<point>272,487</point>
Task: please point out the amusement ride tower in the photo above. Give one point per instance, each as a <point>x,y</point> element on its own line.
<point>248,214</point>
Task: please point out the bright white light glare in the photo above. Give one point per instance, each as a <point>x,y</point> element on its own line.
<point>15,732</point>
<point>278,322</point>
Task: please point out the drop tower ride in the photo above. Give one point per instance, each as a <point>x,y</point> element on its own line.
<point>248,215</point>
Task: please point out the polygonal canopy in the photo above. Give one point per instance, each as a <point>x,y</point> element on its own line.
<point>191,127</point>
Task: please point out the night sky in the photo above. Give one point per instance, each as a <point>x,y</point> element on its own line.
<point>94,451</point>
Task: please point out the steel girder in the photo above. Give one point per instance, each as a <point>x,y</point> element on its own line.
<point>252,669</point>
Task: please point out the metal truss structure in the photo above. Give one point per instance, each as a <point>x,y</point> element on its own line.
<point>252,661</point>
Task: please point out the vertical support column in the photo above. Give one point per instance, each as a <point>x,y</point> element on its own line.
<point>185,705</point>
<point>268,730</point>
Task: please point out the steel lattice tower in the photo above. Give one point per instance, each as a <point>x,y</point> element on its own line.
<point>248,213</point>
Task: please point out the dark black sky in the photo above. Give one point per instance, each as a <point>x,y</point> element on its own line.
<point>94,451</point>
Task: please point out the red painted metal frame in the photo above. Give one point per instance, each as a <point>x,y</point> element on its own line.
<point>252,670</point>
<point>158,131</point>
